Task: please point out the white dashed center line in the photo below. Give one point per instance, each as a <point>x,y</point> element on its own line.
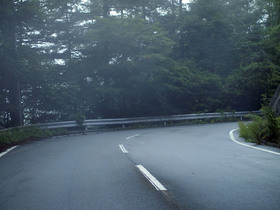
<point>130,137</point>
<point>151,178</point>
<point>123,148</point>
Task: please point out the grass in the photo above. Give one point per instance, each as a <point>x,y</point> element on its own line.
<point>263,129</point>
<point>15,136</point>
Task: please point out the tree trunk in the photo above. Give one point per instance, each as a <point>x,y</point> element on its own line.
<point>106,9</point>
<point>10,65</point>
<point>144,11</point>
<point>15,101</point>
<point>69,43</point>
<point>173,7</point>
<point>180,8</point>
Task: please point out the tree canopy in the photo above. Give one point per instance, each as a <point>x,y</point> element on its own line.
<point>120,58</point>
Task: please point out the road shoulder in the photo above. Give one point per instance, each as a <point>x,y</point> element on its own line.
<point>235,138</point>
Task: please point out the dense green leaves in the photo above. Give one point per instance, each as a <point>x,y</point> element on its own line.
<point>121,58</point>
<point>262,129</point>
<point>246,85</point>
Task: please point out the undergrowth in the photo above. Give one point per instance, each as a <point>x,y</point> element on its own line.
<point>15,136</point>
<point>262,129</point>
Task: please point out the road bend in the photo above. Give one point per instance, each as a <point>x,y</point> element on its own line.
<point>183,167</point>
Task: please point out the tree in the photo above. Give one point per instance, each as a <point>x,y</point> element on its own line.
<point>125,58</point>
<point>208,35</point>
<point>63,29</point>
<point>9,64</point>
<point>258,75</point>
<point>123,49</point>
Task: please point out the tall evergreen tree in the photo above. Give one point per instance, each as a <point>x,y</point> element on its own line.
<point>9,69</point>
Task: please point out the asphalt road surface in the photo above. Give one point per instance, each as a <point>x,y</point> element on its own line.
<point>187,167</point>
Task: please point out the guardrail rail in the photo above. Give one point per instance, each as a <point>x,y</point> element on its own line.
<point>135,120</point>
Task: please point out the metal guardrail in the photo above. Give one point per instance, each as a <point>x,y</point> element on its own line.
<point>135,120</point>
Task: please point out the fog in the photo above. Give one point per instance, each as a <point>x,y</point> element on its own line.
<point>61,60</point>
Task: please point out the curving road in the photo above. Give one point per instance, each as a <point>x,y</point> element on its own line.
<point>198,166</point>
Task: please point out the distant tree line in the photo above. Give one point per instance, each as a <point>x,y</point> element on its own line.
<point>63,59</point>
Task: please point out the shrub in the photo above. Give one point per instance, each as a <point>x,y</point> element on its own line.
<point>262,128</point>
<point>79,118</point>
<point>18,135</point>
<point>272,133</point>
<point>256,130</point>
<point>243,130</point>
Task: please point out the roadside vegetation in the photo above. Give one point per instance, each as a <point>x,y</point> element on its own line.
<point>264,129</point>
<point>19,135</point>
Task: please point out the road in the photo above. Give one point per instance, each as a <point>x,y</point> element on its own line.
<point>200,167</point>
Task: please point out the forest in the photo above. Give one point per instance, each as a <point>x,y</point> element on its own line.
<point>62,59</point>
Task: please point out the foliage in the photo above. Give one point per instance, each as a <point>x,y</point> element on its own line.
<point>246,85</point>
<point>272,132</point>
<point>243,130</point>
<point>22,134</point>
<point>124,58</point>
<point>79,118</point>
<point>261,129</point>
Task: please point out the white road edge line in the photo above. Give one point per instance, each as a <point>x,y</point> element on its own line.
<point>8,150</point>
<point>130,137</point>
<point>246,145</point>
<point>151,178</point>
<point>123,148</point>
